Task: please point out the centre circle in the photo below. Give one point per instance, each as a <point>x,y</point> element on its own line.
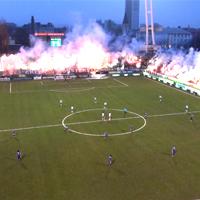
<point>100,135</point>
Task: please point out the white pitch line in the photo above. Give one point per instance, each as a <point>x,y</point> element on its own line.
<point>115,86</point>
<point>120,82</point>
<point>10,89</point>
<point>65,90</point>
<point>125,118</point>
<point>31,127</point>
<point>172,114</point>
<point>73,90</point>
<point>57,125</point>
<point>55,90</point>
<point>88,80</point>
<point>94,121</point>
<point>100,135</point>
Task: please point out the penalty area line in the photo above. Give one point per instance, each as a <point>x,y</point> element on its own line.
<point>73,90</point>
<point>120,82</point>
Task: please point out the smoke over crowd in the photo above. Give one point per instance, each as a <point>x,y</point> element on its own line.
<point>89,49</point>
<point>182,66</point>
<point>83,49</point>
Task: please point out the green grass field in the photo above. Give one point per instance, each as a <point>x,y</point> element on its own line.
<point>59,165</point>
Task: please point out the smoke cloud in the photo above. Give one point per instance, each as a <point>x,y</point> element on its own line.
<point>177,64</point>
<point>85,48</point>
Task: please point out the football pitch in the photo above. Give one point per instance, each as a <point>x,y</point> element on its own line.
<point>71,163</point>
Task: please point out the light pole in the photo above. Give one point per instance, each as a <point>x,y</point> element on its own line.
<point>149,17</point>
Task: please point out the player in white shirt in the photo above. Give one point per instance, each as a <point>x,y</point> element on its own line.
<point>95,100</point>
<point>160,98</point>
<point>72,109</point>
<point>109,116</point>
<point>61,102</point>
<point>186,108</point>
<point>105,105</point>
<point>103,116</point>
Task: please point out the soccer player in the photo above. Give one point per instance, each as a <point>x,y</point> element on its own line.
<point>103,116</point>
<point>125,111</point>
<point>109,116</point>
<point>186,108</point>
<point>191,117</point>
<point>105,105</point>
<point>160,98</point>
<point>61,102</point>
<point>131,129</point>
<point>19,155</point>
<point>66,128</point>
<point>110,160</point>
<point>105,135</point>
<point>72,109</point>
<point>145,115</point>
<point>173,151</point>
<point>95,100</point>
<point>13,132</point>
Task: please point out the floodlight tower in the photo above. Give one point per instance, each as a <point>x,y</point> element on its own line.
<point>149,24</point>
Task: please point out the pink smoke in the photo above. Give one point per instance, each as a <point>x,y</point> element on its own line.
<point>183,66</point>
<point>84,49</point>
